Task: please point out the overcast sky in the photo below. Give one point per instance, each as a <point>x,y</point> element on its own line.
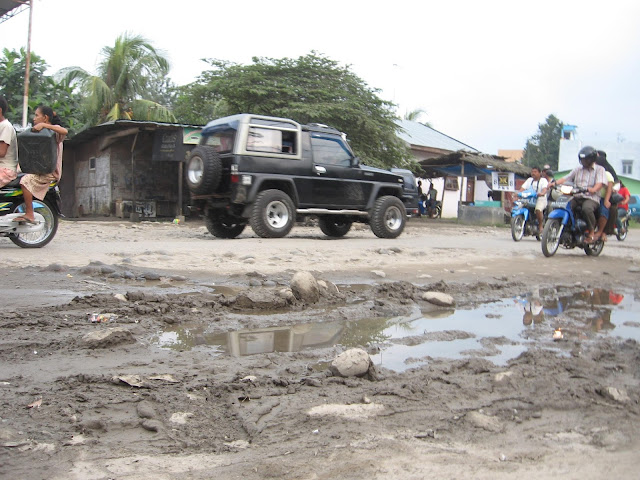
<point>486,72</point>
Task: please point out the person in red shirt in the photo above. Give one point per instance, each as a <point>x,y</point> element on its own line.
<point>623,206</point>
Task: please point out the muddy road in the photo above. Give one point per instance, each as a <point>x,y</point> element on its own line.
<point>155,351</point>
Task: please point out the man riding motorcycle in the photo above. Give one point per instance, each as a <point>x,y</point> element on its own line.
<point>590,176</point>
<point>538,183</point>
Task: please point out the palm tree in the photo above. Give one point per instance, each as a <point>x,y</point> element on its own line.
<point>122,82</point>
<point>414,115</point>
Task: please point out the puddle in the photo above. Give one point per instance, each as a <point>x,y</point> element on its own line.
<point>498,331</point>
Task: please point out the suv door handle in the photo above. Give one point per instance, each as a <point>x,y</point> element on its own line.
<point>319,169</point>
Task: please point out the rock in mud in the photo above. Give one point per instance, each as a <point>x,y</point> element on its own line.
<point>260,299</point>
<point>485,422</point>
<point>615,394</point>
<point>108,338</point>
<point>305,287</point>
<point>439,298</point>
<point>353,362</point>
<point>145,410</point>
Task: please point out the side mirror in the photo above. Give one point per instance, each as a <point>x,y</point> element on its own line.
<point>355,161</point>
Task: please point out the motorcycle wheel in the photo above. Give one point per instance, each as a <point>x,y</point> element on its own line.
<point>594,249</point>
<point>621,234</point>
<point>551,237</point>
<point>42,237</point>
<point>517,227</point>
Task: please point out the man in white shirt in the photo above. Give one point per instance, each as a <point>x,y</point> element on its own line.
<point>539,184</point>
<point>8,146</point>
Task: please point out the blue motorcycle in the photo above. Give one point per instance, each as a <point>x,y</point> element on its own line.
<point>565,227</point>
<point>523,215</point>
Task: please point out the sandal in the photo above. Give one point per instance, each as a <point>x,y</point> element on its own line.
<point>23,219</point>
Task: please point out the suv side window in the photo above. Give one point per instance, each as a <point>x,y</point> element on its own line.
<point>330,149</point>
<point>222,142</point>
<point>268,140</point>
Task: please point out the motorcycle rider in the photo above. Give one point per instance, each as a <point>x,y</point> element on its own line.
<point>589,176</point>
<point>539,184</point>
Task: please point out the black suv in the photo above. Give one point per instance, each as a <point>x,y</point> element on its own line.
<point>267,172</point>
<point>411,196</point>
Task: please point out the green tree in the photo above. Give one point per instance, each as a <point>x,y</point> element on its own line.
<point>126,75</point>
<point>544,147</point>
<point>311,88</point>
<point>43,89</point>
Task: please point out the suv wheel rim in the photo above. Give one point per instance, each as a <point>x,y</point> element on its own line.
<point>393,219</point>
<point>195,170</point>
<point>277,214</point>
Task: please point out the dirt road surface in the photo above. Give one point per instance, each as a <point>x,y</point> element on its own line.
<point>156,351</point>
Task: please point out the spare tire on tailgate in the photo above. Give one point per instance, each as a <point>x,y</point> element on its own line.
<point>203,170</point>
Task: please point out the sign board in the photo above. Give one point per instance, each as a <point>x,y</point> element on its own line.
<point>503,181</point>
<point>172,145</point>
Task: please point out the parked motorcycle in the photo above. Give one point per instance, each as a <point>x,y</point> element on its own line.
<point>622,224</point>
<point>47,211</point>
<point>523,216</point>
<point>566,228</point>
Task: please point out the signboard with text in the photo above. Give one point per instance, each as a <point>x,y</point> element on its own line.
<point>503,181</point>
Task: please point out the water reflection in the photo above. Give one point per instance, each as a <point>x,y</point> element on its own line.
<point>403,342</point>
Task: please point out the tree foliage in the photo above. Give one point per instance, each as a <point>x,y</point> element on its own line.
<point>308,89</point>
<point>543,148</point>
<point>128,73</point>
<point>43,89</point>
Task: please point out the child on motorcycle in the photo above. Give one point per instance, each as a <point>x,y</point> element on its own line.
<point>38,185</point>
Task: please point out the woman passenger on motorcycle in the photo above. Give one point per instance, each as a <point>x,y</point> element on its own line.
<point>591,177</point>
<point>605,206</point>
<point>37,185</point>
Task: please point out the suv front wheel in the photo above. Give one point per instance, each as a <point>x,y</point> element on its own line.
<point>387,217</point>
<point>273,214</point>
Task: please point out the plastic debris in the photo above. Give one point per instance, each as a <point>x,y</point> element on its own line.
<point>102,317</point>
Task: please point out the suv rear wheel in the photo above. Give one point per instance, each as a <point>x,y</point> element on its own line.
<point>222,225</point>
<point>273,214</point>
<point>334,225</point>
<point>204,170</point>
<point>387,217</point>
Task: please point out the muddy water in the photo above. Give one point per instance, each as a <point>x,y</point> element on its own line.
<point>497,331</point>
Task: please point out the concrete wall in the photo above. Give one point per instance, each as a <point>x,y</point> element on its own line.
<point>481,215</point>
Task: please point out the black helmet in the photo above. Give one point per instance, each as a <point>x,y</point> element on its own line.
<point>588,153</point>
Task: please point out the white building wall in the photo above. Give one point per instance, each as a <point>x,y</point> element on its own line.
<point>616,153</point>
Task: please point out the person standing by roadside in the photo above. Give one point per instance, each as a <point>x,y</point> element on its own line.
<point>37,185</point>
<point>8,146</point>
<point>591,177</point>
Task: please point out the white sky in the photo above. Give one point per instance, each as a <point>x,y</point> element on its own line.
<point>486,72</point>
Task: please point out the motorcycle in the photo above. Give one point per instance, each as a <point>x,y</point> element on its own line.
<point>622,224</point>
<point>523,216</point>
<point>47,211</point>
<point>566,228</point>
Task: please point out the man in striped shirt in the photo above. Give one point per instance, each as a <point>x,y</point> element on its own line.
<point>591,176</point>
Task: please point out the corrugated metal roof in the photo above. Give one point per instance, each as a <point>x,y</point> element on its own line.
<point>10,8</point>
<point>420,135</point>
<point>108,127</point>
